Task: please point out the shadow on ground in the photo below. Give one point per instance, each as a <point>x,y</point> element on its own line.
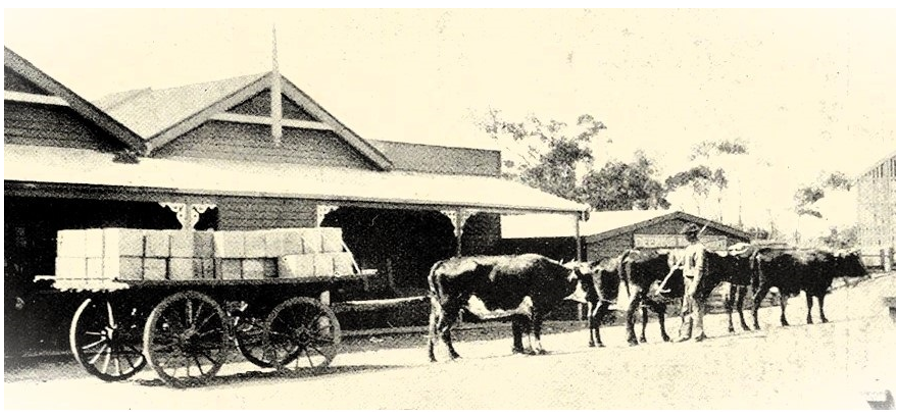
<point>251,377</point>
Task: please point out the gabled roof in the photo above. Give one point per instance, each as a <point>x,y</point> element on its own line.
<point>666,217</point>
<point>161,116</point>
<point>81,106</point>
<point>601,225</point>
<point>64,166</point>
<point>149,112</point>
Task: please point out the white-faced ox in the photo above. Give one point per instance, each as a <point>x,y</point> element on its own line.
<point>522,288</point>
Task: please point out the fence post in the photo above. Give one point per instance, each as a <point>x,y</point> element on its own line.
<point>887,260</point>
<point>882,258</point>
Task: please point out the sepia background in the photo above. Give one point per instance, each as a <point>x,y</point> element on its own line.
<point>810,94</point>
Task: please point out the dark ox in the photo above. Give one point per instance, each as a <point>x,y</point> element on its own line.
<point>793,271</point>
<point>522,288</point>
<point>643,271</point>
<point>601,287</point>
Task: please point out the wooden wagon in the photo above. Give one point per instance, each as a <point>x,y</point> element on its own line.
<point>185,328</point>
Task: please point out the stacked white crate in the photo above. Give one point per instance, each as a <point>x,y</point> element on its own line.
<point>135,254</point>
<point>284,253</point>
<point>323,254</point>
<point>104,254</point>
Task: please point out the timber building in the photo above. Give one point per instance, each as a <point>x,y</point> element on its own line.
<point>249,152</point>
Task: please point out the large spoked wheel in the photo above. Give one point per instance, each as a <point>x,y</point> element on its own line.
<point>106,340</point>
<point>186,338</point>
<point>304,330</point>
<point>250,336</point>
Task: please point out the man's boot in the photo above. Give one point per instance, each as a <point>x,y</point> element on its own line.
<point>685,330</point>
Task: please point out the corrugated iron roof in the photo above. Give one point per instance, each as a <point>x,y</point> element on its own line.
<point>544,225</point>
<point>148,112</point>
<point>600,225</point>
<point>240,178</point>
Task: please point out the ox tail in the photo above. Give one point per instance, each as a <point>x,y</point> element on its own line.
<point>621,269</point>
<point>624,294</point>
<point>754,262</point>
<point>434,286</point>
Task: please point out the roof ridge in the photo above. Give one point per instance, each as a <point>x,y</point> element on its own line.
<point>225,79</point>
<point>131,92</point>
<point>116,99</point>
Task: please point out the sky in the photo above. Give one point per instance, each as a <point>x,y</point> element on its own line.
<point>810,91</point>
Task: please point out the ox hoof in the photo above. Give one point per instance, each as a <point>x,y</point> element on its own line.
<point>590,344</point>
<point>518,350</point>
<point>633,342</point>
<point>601,345</point>
<point>784,323</point>
<point>643,340</point>
<point>683,339</point>
<point>746,328</point>
<point>666,338</point>
<point>824,320</point>
<point>810,321</point>
<point>700,338</point>
<point>731,329</point>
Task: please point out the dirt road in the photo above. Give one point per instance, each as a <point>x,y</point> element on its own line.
<point>803,366</point>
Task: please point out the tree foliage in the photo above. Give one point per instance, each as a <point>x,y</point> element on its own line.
<point>839,239</point>
<point>807,196</point>
<point>704,174</point>
<point>546,155</point>
<point>557,158</point>
<point>624,186</point>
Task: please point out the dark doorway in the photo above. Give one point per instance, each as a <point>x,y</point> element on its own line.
<point>401,244</point>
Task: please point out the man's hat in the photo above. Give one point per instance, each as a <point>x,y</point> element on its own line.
<point>690,228</point>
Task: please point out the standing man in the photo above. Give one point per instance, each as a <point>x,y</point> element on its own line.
<point>694,268</point>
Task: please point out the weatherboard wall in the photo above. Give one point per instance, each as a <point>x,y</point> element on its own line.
<point>441,159</point>
<point>254,143</point>
<point>35,124</point>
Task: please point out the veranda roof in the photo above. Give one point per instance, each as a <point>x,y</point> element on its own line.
<point>30,164</point>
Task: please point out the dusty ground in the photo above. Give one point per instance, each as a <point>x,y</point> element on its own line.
<point>830,366</point>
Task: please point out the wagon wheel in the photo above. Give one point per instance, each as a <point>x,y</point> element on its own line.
<point>250,336</point>
<point>186,338</point>
<point>304,330</point>
<point>106,340</point>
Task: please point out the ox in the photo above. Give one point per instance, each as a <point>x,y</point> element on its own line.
<point>638,270</point>
<point>643,270</point>
<point>523,288</point>
<point>793,271</point>
<point>601,287</point>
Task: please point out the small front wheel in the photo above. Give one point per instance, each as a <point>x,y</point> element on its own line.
<point>305,330</point>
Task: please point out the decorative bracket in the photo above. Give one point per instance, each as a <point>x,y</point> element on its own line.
<point>180,210</point>
<point>187,216</point>
<point>197,209</point>
<point>321,211</point>
<point>458,219</point>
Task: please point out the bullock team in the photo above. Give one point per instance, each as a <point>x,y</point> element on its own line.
<point>525,288</point>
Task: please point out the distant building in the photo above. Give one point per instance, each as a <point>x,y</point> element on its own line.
<point>876,212</point>
<point>607,234</point>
